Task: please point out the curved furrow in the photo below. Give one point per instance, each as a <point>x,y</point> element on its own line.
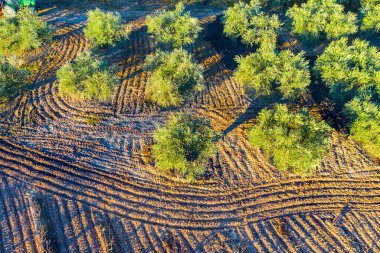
<point>34,155</point>
<point>37,106</point>
<point>7,237</point>
<point>221,213</point>
<point>31,238</point>
<point>344,157</point>
<point>77,225</point>
<point>19,111</point>
<point>68,43</point>
<point>221,91</point>
<point>41,114</point>
<point>278,235</point>
<point>54,101</point>
<point>89,228</point>
<point>208,194</point>
<point>245,162</point>
<point>332,232</point>
<point>359,233</point>
<point>131,97</point>
<point>256,214</point>
<point>302,238</point>
<point>12,214</point>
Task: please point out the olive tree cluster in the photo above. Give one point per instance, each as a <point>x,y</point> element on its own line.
<point>325,19</point>
<point>249,23</point>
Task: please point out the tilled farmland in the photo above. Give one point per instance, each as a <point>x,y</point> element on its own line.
<point>70,186</point>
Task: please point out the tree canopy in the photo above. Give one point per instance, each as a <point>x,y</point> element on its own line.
<point>12,80</point>
<point>249,23</point>
<point>266,72</point>
<point>364,124</point>
<point>184,145</point>
<point>295,141</point>
<point>87,78</point>
<point>175,76</point>
<point>104,28</point>
<point>174,29</point>
<point>350,70</point>
<point>22,33</point>
<point>371,17</point>
<point>317,19</point>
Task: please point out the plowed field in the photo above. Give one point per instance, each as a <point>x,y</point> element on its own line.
<point>70,186</point>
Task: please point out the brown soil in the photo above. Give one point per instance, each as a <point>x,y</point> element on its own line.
<point>70,186</point>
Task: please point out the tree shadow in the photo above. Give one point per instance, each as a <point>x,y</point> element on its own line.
<point>250,112</point>
<point>343,212</point>
<point>257,102</point>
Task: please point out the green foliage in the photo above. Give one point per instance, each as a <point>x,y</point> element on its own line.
<point>184,146</point>
<point>22,33</point>
<point>350,70</point>
<point>368,2</point>
<point>319,19</point>
<point>251,24</point>
<point>174,77</point>
<point>12,80</point>
<point>87,78</point>
<point>174,29</point>
<point>265,71</point>
<point>104,28</point>
<point>295,141</point>
<point>364,124</point>
<point>27,3</point>
<point>93,119</point>
<point>279,3</point>
<point>371,18</point>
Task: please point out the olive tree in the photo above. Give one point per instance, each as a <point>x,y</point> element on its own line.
<point>279,3</point>
<point>267,72</point>
<point>350,70</point>
<point>184,146</point>
<point>174,29</point>
<point>87,78</point>
<point>22,33</point>
<point>317,19</point>
<point>364,124</point>
<point>294,141</point>
<point>371,17</point>
<point>367,2</point>
<point>175,77</point>
<point>250,23</point>
<point>12,80</point>
<point>104,28</point>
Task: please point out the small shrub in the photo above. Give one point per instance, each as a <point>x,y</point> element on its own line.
<point>12,80</point>
<point>174,77</point>
<point>251,24</point>
<point>87,78</point>
<point>184,146</point>
<point>93,119</point>
<point>364,124</point>
<point>350,70</point>
<point>295,141</point>
<point>317,19</point>
<point>174,29</point>
<point>104,28</point>
<point>22,33</point>
<point>266,72</point>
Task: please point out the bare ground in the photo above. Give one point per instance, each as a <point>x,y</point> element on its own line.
<point>69,186</point>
